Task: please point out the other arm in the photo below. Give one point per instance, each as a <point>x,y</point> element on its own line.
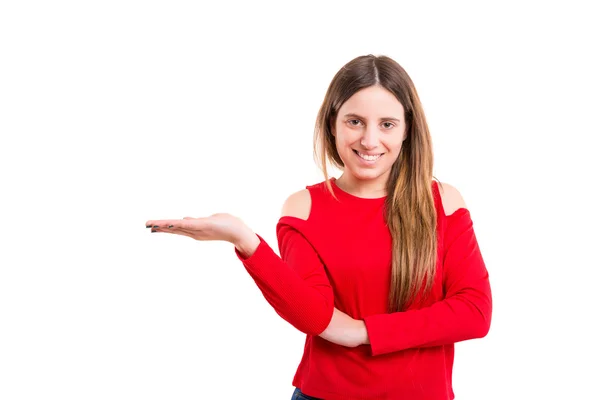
<point>465,312</point>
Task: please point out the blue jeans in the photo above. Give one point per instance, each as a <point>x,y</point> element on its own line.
<point>298,395</point>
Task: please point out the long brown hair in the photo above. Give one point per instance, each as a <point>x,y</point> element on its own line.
<point>410,208</point>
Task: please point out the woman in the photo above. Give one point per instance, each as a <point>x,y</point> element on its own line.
<point>380,268</point>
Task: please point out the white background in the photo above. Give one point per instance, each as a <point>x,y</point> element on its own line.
<point>116,112</point>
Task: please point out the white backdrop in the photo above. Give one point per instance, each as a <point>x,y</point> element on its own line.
<point>116,112</point>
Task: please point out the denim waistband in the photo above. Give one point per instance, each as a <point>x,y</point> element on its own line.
<point>298,395</point>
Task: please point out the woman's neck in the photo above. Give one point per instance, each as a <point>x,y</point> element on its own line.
<point>372,188</point>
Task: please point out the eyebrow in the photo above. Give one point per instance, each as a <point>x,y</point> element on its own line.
<point>381,119</point>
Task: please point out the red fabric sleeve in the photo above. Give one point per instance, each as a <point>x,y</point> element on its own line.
<point>295,284</point>
<point>466,311</point>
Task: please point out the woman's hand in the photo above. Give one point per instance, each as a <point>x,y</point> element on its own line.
<point>221,226</point>
<point>345,330</point>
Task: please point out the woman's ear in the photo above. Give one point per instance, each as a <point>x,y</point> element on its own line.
<point>332,125</point>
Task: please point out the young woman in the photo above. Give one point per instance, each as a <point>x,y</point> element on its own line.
<point>381,267</point>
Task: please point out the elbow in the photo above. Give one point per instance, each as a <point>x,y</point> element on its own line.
<point>476,327</point>
<point>477,321</point>
<point>484,322</point>
<point>318,324</point>
<point>481,316</point>
<point>482,328</point>
<point>313,322</point>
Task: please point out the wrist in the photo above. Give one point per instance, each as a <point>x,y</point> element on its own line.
<point>247,244</point>
<point>363,333</point>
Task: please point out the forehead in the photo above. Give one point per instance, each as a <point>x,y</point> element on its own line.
<point>373,101</point>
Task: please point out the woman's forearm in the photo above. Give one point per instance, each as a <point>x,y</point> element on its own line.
<point>345,330</point>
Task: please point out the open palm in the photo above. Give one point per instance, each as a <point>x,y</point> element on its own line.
<point>220,226</point>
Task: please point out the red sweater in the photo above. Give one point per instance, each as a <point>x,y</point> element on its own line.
<point>341,256</point>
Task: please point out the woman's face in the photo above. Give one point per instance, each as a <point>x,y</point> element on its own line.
<point>369,132</point>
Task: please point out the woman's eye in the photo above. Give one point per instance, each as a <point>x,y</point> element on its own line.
<point>356,122</point>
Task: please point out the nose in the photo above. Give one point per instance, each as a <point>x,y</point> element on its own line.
<point>369,139</point>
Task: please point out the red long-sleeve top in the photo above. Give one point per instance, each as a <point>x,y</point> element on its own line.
<point>341,257</point>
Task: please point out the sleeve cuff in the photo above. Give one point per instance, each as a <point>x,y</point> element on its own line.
<point>374,332</point>
<point>384,338</point>
<point>245,259</point>
<point>261,256</point>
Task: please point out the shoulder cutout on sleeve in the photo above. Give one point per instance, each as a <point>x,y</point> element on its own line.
<point>297,205</point>
<point>452,200</point>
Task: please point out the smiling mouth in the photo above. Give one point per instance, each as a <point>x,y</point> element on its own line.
<point>367,157</point>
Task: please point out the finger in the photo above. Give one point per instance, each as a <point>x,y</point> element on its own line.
<point>192,224</point>
<point>175,231</point>
<point>163,223</point>
<point>192,234</point>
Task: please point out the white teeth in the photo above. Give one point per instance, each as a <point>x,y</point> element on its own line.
<point>367,157</point>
